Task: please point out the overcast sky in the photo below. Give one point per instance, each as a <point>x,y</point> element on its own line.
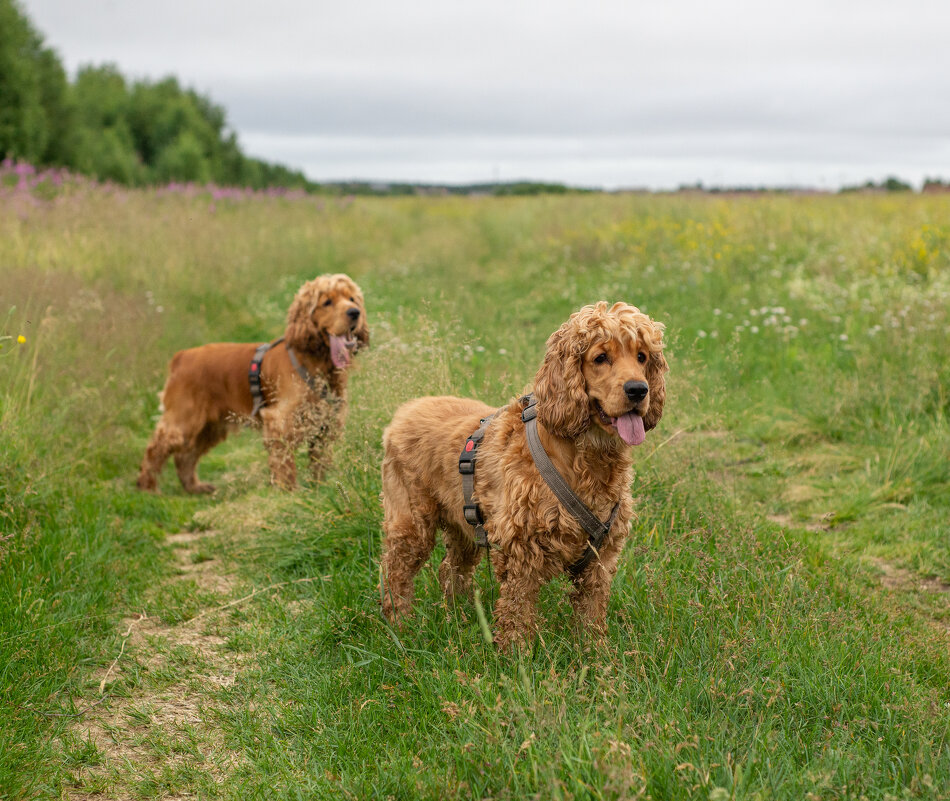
<point>613,94</point>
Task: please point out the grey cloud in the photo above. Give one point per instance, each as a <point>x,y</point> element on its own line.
<point>324,105</point>
<point>591,91</point>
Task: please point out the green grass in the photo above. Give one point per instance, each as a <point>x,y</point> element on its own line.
<point>752,651</point>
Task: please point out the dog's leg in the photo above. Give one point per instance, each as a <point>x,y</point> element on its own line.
<point>592,589</point>
<point>323,437</point>
<point>520,575</point>
<point>320,451</point>
<point>462,556</point>
<point>408,539</point>
<point>186,461</point>
<point>281,438</point>
<point>317,449</point>
<point>165,440</point>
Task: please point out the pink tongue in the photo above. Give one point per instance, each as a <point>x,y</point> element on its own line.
<point>339,353</point>
<point>630,428</point>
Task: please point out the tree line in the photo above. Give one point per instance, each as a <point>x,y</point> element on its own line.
<point>132,132</point>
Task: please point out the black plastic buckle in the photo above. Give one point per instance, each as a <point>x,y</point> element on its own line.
<point>472,513</point>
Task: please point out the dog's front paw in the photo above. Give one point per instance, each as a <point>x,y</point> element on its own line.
<point>510,642</point>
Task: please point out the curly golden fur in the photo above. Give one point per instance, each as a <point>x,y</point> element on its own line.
<point>207,394</point>
<point>600,387</point>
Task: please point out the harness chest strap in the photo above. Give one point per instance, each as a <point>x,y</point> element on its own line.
<point>254,375</point>
<point>473,515</point>
<point>596,530</point>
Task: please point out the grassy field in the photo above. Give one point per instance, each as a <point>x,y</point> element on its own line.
<point>780,623</point>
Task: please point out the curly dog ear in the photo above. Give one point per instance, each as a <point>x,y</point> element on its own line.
<point>559,385</point>
<point>656,367</point>
<point>301,332</point>
<point>362,331</point>
<point>656,370</point>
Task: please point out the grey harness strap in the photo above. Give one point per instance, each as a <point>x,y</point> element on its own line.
<point>254,375</point>
<point>596,530</point>
<point>473,515</point>
<point>322,388</point>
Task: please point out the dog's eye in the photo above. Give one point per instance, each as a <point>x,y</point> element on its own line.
<point>601,359</point>
<point>352,301</point>
<point>328,302</point>
<point>641,357</point>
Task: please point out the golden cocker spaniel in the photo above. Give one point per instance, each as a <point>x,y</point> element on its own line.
<point>208,392</point>
<point>599,389</point>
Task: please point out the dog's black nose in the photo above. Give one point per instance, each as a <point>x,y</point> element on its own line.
<point>636,390</point>
<point>353,314</point>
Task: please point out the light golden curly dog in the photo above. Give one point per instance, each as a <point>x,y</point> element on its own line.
<point>208,393</point>
<point>600,388</point>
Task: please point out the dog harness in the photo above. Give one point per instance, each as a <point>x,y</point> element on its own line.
<point>473,515</point>
<point>596,530</point>
<point>254,375</point>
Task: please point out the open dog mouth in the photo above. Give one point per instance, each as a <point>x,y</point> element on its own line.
<point>341,350</point>
<point>628,426</point>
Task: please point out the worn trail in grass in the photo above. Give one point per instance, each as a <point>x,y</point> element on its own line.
<point>157,720</point>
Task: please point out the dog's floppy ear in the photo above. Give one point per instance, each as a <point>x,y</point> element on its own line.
<point>656,368</point>
<point>362,330</point>
<point>559,385</point>
<point>301,332</point>
<point>656,378</point>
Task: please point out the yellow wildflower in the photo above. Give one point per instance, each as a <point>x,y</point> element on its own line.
<point>21,339</point>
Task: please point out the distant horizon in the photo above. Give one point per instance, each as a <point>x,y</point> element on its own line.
<point>706,185</point>
<point>466,160</point>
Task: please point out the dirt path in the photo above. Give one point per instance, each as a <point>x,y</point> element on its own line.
<point>158,722</point>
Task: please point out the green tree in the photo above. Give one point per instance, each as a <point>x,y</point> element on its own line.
<point>104,146</point>
<point>893,184</point>
<point>102,126</point>
<point>60,113</point>
<point>25,72</point>
<point>107,154</point>
<point>184,160</point>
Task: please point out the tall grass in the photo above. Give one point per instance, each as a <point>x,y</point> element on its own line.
<point>809,383</point>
